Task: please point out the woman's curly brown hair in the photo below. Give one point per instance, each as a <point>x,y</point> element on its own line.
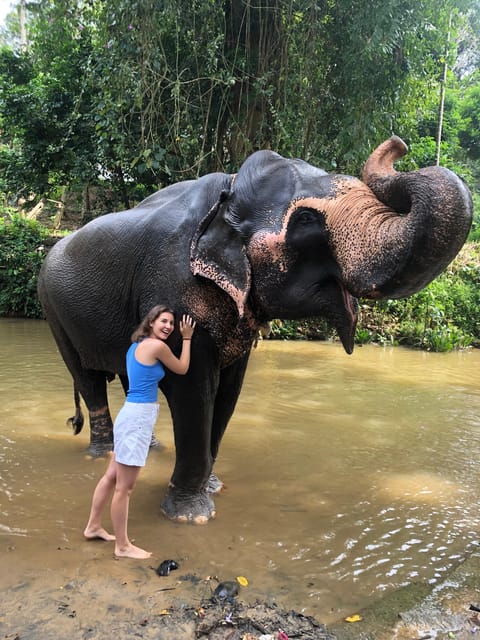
<point>145,327</point>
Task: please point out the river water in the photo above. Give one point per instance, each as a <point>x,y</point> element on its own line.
<point>346,477</point>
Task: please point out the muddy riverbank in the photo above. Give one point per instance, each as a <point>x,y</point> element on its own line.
<point>88,596</point>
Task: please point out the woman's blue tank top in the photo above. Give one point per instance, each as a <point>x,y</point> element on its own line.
<point>143,379</point>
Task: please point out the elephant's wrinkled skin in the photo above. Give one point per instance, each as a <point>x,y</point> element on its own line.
<point>280,239</point>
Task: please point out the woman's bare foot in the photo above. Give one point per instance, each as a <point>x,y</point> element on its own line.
<point>131,551</point>
<point>100,533</point>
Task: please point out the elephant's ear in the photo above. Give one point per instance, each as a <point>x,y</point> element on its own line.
<point>218,253</point>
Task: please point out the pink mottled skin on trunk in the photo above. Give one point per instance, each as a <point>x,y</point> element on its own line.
<point>381,160</point>
<point>353,216</point>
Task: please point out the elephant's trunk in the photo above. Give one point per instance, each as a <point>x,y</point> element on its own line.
<point>391,243</point>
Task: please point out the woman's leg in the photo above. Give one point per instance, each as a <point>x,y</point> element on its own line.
<point>101,495</point>
<point>126,477</point>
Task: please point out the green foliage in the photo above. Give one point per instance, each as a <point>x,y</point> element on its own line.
<point>308,329</point>
<point>21,255</point>
<point>474,235</point>
<point>441,317</point>
<point>469,124</point>
<point>152,93</point>
<point>364,335</point>
<point>46,106</point>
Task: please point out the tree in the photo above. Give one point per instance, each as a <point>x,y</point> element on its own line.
<point>139,95</point>
<point>46,112</point>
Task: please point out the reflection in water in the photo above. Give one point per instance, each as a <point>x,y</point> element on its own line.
<point>347,476</point>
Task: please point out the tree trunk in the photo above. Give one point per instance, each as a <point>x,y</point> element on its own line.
<point>86,205</point>
<point>60,209</point>
<point>442,92</point>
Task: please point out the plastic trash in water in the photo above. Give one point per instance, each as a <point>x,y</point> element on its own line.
<point>165,567</point>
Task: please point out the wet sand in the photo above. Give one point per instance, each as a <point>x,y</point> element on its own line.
<point>87,594</point>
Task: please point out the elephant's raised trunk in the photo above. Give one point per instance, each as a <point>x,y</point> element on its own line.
<point>394,241</point>
<point>381,160</point>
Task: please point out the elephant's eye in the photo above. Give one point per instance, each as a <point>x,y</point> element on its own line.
<point>307,230</point>
<point>306,216</point>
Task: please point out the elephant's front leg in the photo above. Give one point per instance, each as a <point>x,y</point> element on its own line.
<point>230,384</point>
<point>191,399</point>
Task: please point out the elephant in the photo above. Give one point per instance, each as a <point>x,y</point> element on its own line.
<point>280,239</point>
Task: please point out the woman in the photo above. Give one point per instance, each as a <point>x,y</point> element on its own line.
<point>133,428</point>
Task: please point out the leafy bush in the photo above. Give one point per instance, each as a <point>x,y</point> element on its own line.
<point>309,329</point>
<point>474,235</point>
<point>445,339</point>
<point>364,335</point>
<point>441,317</point>
<point>21,254</point>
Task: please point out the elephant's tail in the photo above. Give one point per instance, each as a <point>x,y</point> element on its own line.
<point>76,421</point>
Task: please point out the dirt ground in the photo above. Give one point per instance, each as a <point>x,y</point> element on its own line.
<point>125,599</point>
<point>132,601</point>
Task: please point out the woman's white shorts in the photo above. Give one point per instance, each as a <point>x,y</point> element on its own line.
<point>132,432</point>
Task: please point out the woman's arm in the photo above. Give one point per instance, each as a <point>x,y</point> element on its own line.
<point>164,353</point>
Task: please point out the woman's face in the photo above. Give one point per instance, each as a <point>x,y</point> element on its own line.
<point>162,326</point>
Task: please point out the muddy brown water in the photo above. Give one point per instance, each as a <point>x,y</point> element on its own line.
<point>347,477</point>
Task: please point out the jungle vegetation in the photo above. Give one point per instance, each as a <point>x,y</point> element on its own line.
<point>102,103</point>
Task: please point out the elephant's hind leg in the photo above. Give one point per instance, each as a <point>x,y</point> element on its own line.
<point>214,484</point>
<point>92,386</point>
<point>101,432</point>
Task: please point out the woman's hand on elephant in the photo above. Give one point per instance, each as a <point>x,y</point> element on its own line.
<point>187,327</point>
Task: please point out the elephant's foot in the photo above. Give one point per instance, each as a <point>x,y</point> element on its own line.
<point>154,443</point>
<point>192,508</point>
<point>214,485</point>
